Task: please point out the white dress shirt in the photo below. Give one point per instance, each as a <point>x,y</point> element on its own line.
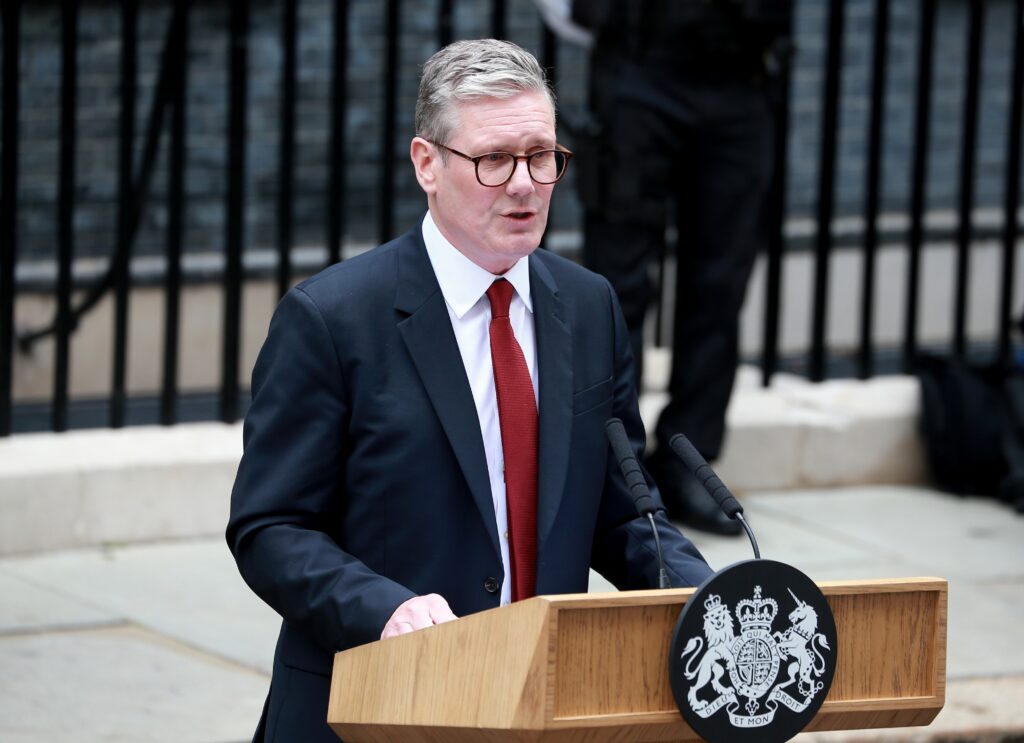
<point>464,285</point>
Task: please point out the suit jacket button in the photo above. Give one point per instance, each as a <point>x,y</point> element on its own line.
<point>491,585</point>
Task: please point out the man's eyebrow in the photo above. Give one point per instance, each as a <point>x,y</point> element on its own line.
<point>544,144</point>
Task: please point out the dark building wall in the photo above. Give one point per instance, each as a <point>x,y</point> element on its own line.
<point>98,66</point>
<point>949,78</point>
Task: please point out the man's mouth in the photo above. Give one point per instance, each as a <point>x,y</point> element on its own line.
<point>520,216</point>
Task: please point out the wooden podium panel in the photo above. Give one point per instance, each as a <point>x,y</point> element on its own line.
<point>594,667</point>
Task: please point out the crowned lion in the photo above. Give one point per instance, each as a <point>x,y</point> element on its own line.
<point>718,631</point>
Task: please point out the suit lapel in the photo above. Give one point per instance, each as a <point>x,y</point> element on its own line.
<point>554,362</point>
<point>428,335</point>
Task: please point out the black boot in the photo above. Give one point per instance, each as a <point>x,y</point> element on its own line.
<point>686,499</point>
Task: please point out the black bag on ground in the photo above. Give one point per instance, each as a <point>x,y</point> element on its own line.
<point>962,424</point>
<point>1011,489</point>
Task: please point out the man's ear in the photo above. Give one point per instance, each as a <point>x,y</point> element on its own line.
<point>426,161</point>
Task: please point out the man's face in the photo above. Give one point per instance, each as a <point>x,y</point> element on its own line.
<point>493,227</point>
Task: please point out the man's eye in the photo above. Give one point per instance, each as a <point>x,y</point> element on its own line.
<point>494,157</point>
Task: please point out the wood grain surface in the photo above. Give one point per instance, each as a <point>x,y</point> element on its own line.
<point>587,668</point>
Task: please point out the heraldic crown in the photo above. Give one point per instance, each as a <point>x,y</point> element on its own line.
<point>713,605</point>
<point>756,613</point>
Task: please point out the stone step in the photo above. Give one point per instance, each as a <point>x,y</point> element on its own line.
<point>91,487</point>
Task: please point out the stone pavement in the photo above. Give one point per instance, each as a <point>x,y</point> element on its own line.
<point>163,642</point>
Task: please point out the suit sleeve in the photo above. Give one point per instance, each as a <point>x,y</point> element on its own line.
<point>624,551</point>
<point>288,494</point>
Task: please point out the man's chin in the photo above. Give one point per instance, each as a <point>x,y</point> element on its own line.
<point>525,239</point>
<point>521,248</point>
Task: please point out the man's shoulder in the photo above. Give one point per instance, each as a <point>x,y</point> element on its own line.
<point>362,276</point>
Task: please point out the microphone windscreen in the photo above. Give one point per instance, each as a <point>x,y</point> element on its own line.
<point>626,457</point>
<point>694,462</point>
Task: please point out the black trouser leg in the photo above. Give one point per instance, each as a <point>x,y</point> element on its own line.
<point>723,223</point>
<point>624,229</point>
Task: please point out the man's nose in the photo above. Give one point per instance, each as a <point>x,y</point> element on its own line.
<point>520,183</point>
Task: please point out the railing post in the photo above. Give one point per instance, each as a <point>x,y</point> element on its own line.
<point>968,144</point>
<point>498,24</point>
<point>8,206</point>
<point>339,93</point>
<point>1011,205</point>
<point>872,186</point>
<point>386,210</point>
<point>777,218</point>
<point>286,146</point>
<point>922,129</point>
<point>826,190</point>
<point>445,28</point>
<point>125,206</point>
<point>235,233</point>
<point>65,212</point>
<point>177,57</point>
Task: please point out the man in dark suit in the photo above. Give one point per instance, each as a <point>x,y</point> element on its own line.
<point>426,437</point>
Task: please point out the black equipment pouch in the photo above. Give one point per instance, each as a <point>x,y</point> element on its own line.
<point>1011,488</point>
<point>972,420</point>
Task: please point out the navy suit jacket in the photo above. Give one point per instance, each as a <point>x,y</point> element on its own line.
<point>363,481</point>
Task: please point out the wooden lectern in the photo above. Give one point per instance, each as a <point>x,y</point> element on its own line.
<point>594,667</point>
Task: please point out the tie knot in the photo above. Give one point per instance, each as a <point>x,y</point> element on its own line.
<point>500,296</point>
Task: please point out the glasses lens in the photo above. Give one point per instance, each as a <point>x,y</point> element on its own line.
<point>547,166</point>
<point>495,168</point>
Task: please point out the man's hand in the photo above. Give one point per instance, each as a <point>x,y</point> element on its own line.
<point>417,613</point>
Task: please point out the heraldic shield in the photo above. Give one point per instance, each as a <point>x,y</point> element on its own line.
<point>753,654</point>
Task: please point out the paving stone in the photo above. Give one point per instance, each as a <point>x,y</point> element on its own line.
<point>122,685</point>
<point>190,591</point>
<point>977,710</point>
<point>982,630</point>
<point>782,537</point>
<point>943,535</point>
<point>25,606</point>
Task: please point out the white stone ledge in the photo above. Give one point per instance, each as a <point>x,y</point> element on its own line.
<point>799,434</point>
<point>83,488</point>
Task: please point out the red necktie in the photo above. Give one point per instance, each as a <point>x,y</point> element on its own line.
<point>517,412</point>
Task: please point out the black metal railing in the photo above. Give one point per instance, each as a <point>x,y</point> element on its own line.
<point>167,118</point>
<point>8,213</point>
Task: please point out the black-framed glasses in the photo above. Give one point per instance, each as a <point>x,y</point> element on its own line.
<point>495,169</point>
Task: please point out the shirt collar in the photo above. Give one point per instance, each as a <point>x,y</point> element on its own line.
<point>464,282</point>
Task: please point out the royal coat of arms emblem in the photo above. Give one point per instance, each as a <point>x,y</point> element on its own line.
<point>752,660</point>
<point>778,657</point>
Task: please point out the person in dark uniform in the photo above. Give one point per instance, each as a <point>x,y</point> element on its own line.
<point>683,119</point>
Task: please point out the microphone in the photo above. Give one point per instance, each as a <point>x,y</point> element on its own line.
<point>637,484</point>
<point>707,477</point>
<point>635,480</point>
<point>712,483</point>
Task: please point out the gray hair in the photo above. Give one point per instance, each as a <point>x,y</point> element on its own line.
<point>465,70</point>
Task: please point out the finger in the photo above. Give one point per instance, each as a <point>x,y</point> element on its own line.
<point>417,611</point>
<point>396,628</point>
<point>410,615</point>
<point>439,610</point>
